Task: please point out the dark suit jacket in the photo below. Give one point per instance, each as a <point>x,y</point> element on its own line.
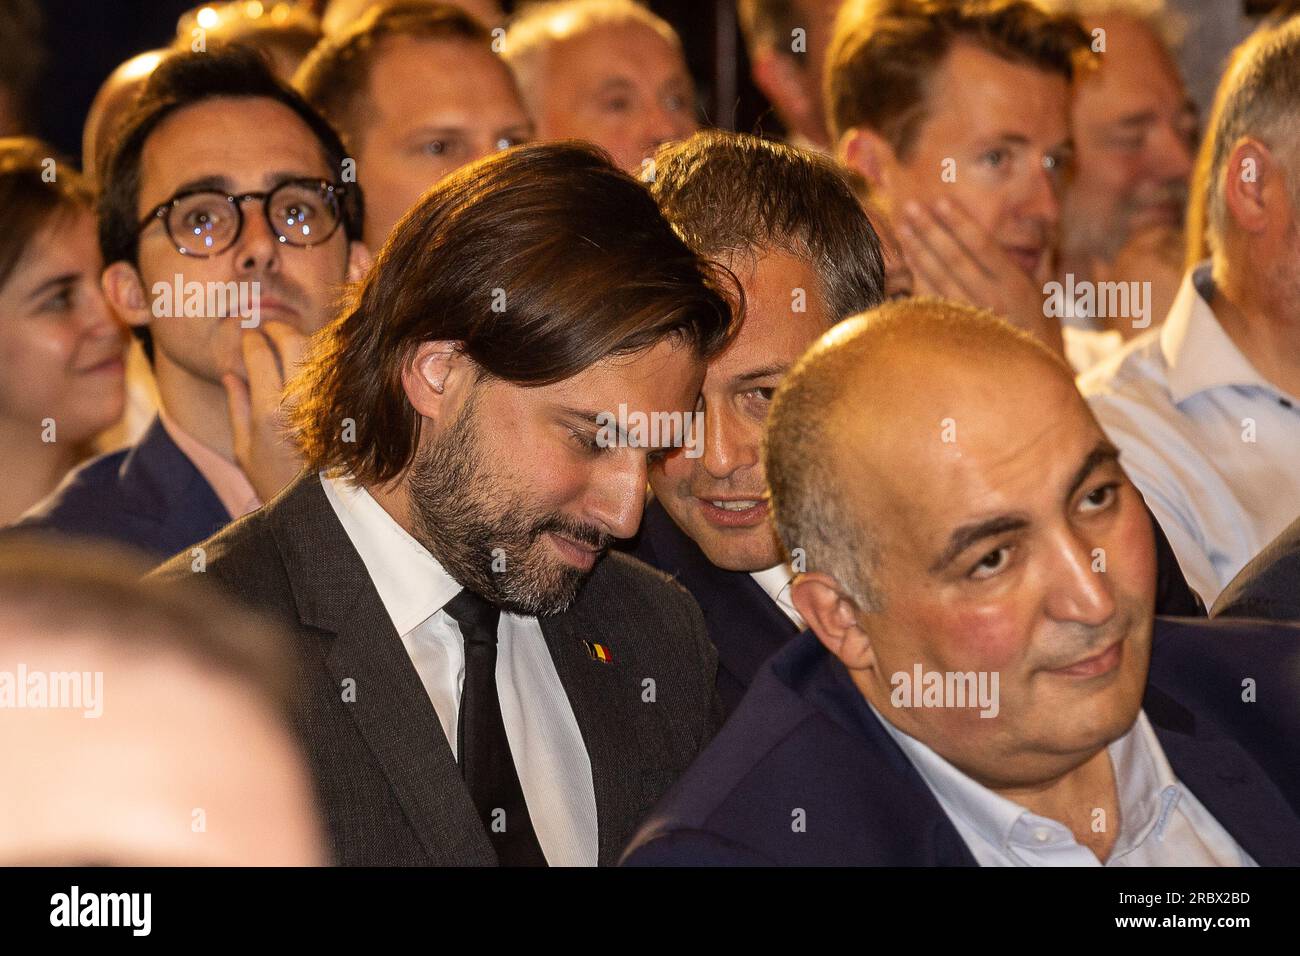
<point>148,495</point>
<point>1269,586</point>
<point>744,623</point>
<point>804,739</point>
<point>391,791</point>
<point>747,627</point>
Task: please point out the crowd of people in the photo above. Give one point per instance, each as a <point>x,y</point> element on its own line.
<point>431,444</point>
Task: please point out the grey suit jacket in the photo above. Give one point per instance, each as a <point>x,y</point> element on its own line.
<point>390,789</point>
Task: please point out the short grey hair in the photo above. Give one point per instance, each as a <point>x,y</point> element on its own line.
<point>1258,97</point>
<point>1170,27</point>
<point>803,444</point>
<point>539,26</point>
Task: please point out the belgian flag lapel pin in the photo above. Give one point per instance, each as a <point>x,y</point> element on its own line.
<point>599,652</point>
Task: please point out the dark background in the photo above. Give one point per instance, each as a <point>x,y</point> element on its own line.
<point>85,39</point>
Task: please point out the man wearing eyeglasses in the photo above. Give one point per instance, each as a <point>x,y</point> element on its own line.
<point>229,233</point>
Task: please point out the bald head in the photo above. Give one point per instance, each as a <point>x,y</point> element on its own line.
<point>852,406</point>
<point>959,510</point>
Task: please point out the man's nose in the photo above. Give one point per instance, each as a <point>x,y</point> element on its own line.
<point>727,446</point>
<point>1041,199</point>
<point>1079,589</point>
<point>1172,154</point>
<point>617,493</point>
<point>257,249</point>
<point>665,124</point>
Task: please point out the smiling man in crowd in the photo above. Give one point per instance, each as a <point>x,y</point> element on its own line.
<point>1135,132</point>
<point>980,589</point>
<point>787,223</point>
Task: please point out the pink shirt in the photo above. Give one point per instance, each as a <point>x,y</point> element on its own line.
<point>226,478</point>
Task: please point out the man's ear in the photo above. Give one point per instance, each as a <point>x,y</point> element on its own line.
<point>833,617</point>
<point>436,377</point>
<point>359,261</point>
<point>867,152</point>
<point>124,290</point>
<point>1251,179</point>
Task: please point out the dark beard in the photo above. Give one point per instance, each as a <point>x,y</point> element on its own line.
<point>486,537</point>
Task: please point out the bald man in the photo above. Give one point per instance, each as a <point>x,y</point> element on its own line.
<point>140,727</point>
<point>979,589</point>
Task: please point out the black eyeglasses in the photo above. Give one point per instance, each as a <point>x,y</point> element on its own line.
<point>207,222</point>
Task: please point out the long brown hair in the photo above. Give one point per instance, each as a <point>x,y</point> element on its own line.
<point>542,260</point>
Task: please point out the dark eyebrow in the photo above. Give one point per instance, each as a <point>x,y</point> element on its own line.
<point>766,371</point>
<point>963,537</point>
<point>66,279</point>
<point>1103,453</point>
<point>1145,118</point>
<point>615,82</point>
<point>223,183</point>
<point>587,417</point>
<point>220,183</point>
<point>968,534</point>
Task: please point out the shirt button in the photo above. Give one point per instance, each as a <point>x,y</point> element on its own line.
<point>1041,834</point>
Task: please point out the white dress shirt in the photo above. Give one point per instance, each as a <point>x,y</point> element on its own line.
<point>549,753</point>
<point>1161,822</point>
<point>776,583</point>
<point>1182,404</point>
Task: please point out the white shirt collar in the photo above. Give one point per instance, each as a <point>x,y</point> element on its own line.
<point>775,581</point>
<point>410,581</point>
<point>1198,354</point>
<point>1145,784</point>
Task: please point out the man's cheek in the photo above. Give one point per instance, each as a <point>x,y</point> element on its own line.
<point>986,637</point>
<point>1129,554</point>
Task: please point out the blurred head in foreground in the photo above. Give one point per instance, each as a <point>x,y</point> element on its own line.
<point>141,726</point>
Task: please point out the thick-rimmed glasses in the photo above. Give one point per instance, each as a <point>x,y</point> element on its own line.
<point>207,222</point>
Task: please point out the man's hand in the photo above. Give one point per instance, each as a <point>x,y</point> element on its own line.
<point>951,256</point>
<point>262,447</point>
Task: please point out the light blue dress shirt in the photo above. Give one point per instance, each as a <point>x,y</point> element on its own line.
<point>1161,822</point>
<point>1211,444</point>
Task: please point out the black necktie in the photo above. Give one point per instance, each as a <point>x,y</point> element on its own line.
<point>481,744</point>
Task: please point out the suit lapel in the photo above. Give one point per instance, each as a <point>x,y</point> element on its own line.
<point>392,711</point>
<point>744,623</point>
<point>162,485</point>
<point>594,687</point>
<point>1227,782</point>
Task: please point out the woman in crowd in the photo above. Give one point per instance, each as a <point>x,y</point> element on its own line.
<point>61,350</point>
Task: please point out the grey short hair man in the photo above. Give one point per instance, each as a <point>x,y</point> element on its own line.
<point>607,71</point>
<point>1207,409</point>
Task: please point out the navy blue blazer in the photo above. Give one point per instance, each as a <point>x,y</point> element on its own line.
<point>805,740</point>
<point>1269,586</point>
<point>744,623</point>
<point>148,495</point>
